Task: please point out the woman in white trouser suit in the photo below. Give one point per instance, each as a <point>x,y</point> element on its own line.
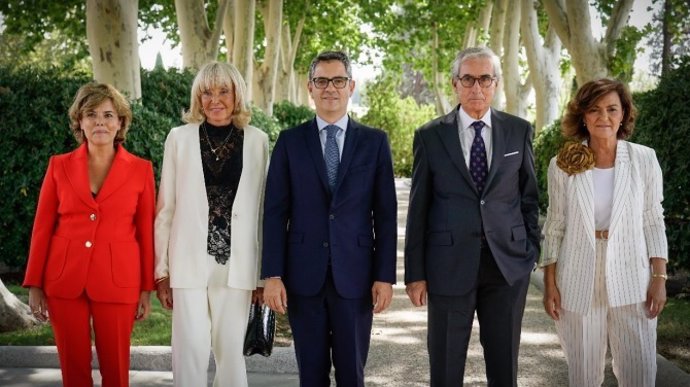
<point>605,250</point>
<point>207,228</point>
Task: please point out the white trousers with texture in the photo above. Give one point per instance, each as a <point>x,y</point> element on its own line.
<point>204,320</point>
<point>626,329</point>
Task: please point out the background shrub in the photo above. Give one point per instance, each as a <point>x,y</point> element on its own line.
<point>546,145</point>
<point>664,124</point>
<point>397,117</point>
<point>289,114</point>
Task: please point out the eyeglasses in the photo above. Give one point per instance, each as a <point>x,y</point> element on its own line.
<point>338,82</point>
<point>469,81</point>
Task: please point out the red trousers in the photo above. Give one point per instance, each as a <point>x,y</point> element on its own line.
<point>72,320</point>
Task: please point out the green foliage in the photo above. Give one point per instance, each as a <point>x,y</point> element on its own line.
<point>664,124</point>
<point>397,117</point>
<point>289,114</point>
<point>621,65</point>
<point>167,92</point>
<point>546,145</point>
<point>266,123</point>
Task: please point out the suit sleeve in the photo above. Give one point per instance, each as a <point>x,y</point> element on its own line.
<point>144,223</point>
<point>44,227</point>
<point>385,213</point>
<point>165,208</point>
<point>529,194</point>
<point>554,226</point>
<point>415,235</point>
<point>653,212</point>
<point>262,197</point>
<point>276,212</point>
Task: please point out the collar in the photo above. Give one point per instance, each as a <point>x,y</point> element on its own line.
<point>341,123</point>
<point>466,121</point>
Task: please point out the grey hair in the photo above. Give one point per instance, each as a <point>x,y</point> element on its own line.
<point>328,56</point>
<point>476,53</point>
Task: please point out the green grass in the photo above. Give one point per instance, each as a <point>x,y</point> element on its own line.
<point>673,332</point>
<point>155,330</point>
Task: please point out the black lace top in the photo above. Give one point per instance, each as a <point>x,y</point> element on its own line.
<point>221,156</point>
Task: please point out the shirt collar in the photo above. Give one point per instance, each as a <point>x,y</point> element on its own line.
<point>341,123</point>
<point>466,121</point>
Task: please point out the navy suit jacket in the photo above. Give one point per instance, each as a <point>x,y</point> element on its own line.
<point>305,226</point>
<point>446,212</point>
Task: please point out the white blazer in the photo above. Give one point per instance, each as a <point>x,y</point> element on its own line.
<point>636,234</point>
<point>181,226</point>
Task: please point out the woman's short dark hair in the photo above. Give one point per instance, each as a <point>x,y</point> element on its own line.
<point>90,96</point>
<point>573,123</point>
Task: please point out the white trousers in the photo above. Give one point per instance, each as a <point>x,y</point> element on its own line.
<point>626,329</point>
<point>205,319</point>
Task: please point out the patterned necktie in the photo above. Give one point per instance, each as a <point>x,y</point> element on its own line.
<point>478,165</point>
<point>331,155</point>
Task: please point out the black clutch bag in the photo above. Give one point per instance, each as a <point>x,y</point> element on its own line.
<point>261,330</point>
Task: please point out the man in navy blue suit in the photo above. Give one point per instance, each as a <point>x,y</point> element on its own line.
<point>330,230</point>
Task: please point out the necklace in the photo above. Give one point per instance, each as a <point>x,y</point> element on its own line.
<point>210,144</point>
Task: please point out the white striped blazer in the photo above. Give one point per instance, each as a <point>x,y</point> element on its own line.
<point>636,234</point>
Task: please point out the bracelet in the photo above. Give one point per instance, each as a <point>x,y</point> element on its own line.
<point>660,275</point>
<point>161,279</point>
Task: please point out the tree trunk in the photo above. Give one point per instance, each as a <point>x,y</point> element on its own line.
<point>543,62</point>
<point>111,30</point>
<point>199,42</point>
<point>572,23</point>
<point>229,30</point>
<point>302,92</point>
<point>496,31</point>
<point>273,17</point>
<point>14,314</point>
<point>666,36</point>
<point>515,92</point>
<point>441,102</point>
<point>243,22</point>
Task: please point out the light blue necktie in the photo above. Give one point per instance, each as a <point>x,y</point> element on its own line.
<point>479,168</point>
<point>331,155</point>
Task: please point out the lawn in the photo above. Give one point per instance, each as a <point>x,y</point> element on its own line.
<point>673,333</point>
<point>155,330</point>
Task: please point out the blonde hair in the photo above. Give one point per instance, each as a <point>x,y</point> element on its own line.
<point>89,97</point>
<point>213,75</point>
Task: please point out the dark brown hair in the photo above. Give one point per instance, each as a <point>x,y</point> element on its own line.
<point>573,124</point>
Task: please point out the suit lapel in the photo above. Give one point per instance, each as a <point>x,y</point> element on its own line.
<point>498,145</point>
<point>77,172</point>
<point>117,175</point>
<point>311,137</point>
<point>582,187</point>
<point>450,138</point>
<point>348,151</point>
<point>621,184</point>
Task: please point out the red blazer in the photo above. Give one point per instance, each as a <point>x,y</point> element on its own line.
<point>103,245</point>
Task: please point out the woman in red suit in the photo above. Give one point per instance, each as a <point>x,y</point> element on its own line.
<point>91,258</point>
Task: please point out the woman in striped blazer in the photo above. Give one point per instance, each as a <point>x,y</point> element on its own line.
<point>605,250</point>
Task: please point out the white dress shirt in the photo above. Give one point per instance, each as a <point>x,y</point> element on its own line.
<point>339,136</point>
<point>466,132</point>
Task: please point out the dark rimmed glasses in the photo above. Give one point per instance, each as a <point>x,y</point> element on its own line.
<point>338,82</point>
<point>469,81</point>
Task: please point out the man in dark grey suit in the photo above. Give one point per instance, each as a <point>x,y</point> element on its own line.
<point>472,233</point>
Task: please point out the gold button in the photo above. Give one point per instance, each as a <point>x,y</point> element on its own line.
<point>92,217</point>
<point>88,244</point>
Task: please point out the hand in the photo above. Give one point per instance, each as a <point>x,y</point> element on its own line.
<point>258,295</point>
<point>552,301</point>
<point>38,304</point>
<point>165,293</point>
<point>381,294</point>
<point>144,306</point>
<point>656,297</point>
<point>275,295</point>
<point>417,292</point>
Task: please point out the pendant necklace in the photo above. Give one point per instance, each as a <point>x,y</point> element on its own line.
<point>210,144</point>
